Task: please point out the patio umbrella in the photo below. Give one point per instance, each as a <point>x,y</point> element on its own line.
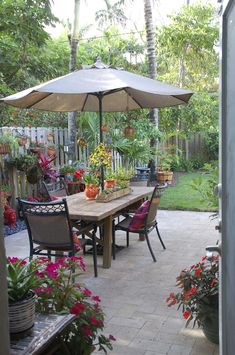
<point>99,88</point>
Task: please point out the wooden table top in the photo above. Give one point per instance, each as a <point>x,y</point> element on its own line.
<point>81,208</point>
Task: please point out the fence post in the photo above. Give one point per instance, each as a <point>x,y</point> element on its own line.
<point>13,180</point>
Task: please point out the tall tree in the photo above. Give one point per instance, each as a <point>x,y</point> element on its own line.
<point>113,14</point>
<point>72,66</point>
<point>151,54</point>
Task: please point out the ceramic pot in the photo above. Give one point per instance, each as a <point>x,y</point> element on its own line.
<point>22,314</point>
<point>165,176</point>
<point>210,323</point>
<point>91,191</point>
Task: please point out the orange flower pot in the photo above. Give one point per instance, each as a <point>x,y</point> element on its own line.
<point>91,191</point>
<point>109,184</point>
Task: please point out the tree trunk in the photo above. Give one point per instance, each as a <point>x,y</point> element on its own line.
<point>72,66</point>
<point>151,53</point>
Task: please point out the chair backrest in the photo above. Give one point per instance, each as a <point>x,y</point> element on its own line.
<point>153,206</point>
<point>55,189</point>
<point>48,223</point>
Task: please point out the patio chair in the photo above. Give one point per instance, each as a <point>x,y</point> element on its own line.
<point>50,230</point>
<point>142,222</point>
<point>55,189</point>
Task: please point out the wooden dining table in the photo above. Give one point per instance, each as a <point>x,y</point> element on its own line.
<point>103,212</point>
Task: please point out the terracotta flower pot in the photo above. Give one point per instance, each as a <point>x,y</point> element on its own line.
<point>5,148</point>
<point>110,183</point>
<point>51,151</point>
<point>91,191</point>
<point>129,131</point>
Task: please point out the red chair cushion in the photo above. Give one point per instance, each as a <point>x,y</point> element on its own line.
<point>137,221</point>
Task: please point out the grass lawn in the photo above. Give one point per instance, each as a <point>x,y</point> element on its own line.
<point>182,197</point>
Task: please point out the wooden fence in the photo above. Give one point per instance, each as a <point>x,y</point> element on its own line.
<point>59,136</point>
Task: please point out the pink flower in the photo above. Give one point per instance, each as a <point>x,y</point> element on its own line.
<point>13,259</point>
<point>111,337</point>
<point>86,292</point>
<point>96,298</point>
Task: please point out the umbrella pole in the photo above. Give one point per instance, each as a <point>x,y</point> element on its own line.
<point>100,98</point>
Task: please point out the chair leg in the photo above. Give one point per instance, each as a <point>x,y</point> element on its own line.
<point>127,239</point>
<point>113,241</point>
<point>158,233</point>
<point>149,246</point>
<point>94,253</point>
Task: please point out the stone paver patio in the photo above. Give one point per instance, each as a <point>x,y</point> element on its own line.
<point>134,290</point>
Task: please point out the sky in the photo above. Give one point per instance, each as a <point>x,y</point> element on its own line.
<point>63,9</point>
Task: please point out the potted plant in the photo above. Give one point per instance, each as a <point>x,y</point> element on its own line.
<point>22,280</point>
<point>36,147</point>
<point>67,171</point>
<point>51,149</point>
<point>90,177</point>
<point>123,176</point>
<point>166,157</point>
<point>109,181</point>
<point>23,162</point>
<point>198,297</point>
<point>7,143</point>
<point>22,139</point>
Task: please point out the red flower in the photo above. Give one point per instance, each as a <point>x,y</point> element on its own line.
<point>186,314</point>
<point>213,282</point>
<point>86,330</point>
<point>95,322</point>
<point>198,272</point>
<point>77,308</point>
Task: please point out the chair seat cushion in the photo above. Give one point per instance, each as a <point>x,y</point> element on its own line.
<point>137,221</point>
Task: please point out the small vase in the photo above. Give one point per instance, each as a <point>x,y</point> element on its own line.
<point>22,314</point>
<point>91,191</point>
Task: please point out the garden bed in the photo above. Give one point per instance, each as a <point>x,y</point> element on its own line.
<point>20,225</point>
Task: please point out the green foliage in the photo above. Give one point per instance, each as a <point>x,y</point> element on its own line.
<point>212,145</point>
<point>174,197</point>
<point>186,47</point>
<point>8,139</point>
<point>206,188</point>
<point>24,162</point>
<point>21,278</point>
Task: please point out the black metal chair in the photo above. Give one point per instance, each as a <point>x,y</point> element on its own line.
<point>50,230</point>
<point>149,224</point>
<point>55,189</point>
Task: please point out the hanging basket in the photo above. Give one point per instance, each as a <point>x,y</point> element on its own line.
<point>5,148</point>
<point>22,314</point>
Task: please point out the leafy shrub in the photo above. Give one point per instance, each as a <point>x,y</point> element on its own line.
<point>197,162</point>
<point>212,145</point>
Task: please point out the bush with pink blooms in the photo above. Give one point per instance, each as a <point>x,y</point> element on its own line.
<point>58,292</point>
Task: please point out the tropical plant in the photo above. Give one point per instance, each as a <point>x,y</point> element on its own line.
<point>101,156</point>
<point>21,278</point>
<point>198,288</point>
<point>206,187</point>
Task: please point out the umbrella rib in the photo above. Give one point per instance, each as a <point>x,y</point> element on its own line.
<point>41,99</point>
<point>134,99</point>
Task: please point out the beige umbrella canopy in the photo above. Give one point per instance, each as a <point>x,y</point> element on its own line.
<point>82,90</point>
<point>99,88</point>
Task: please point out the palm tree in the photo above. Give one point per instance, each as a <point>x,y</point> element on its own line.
<point>113,14</point>
<point>73,39</point>
<point>151,53</point>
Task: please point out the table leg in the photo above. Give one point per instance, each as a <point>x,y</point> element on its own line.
<point>107,243</point>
